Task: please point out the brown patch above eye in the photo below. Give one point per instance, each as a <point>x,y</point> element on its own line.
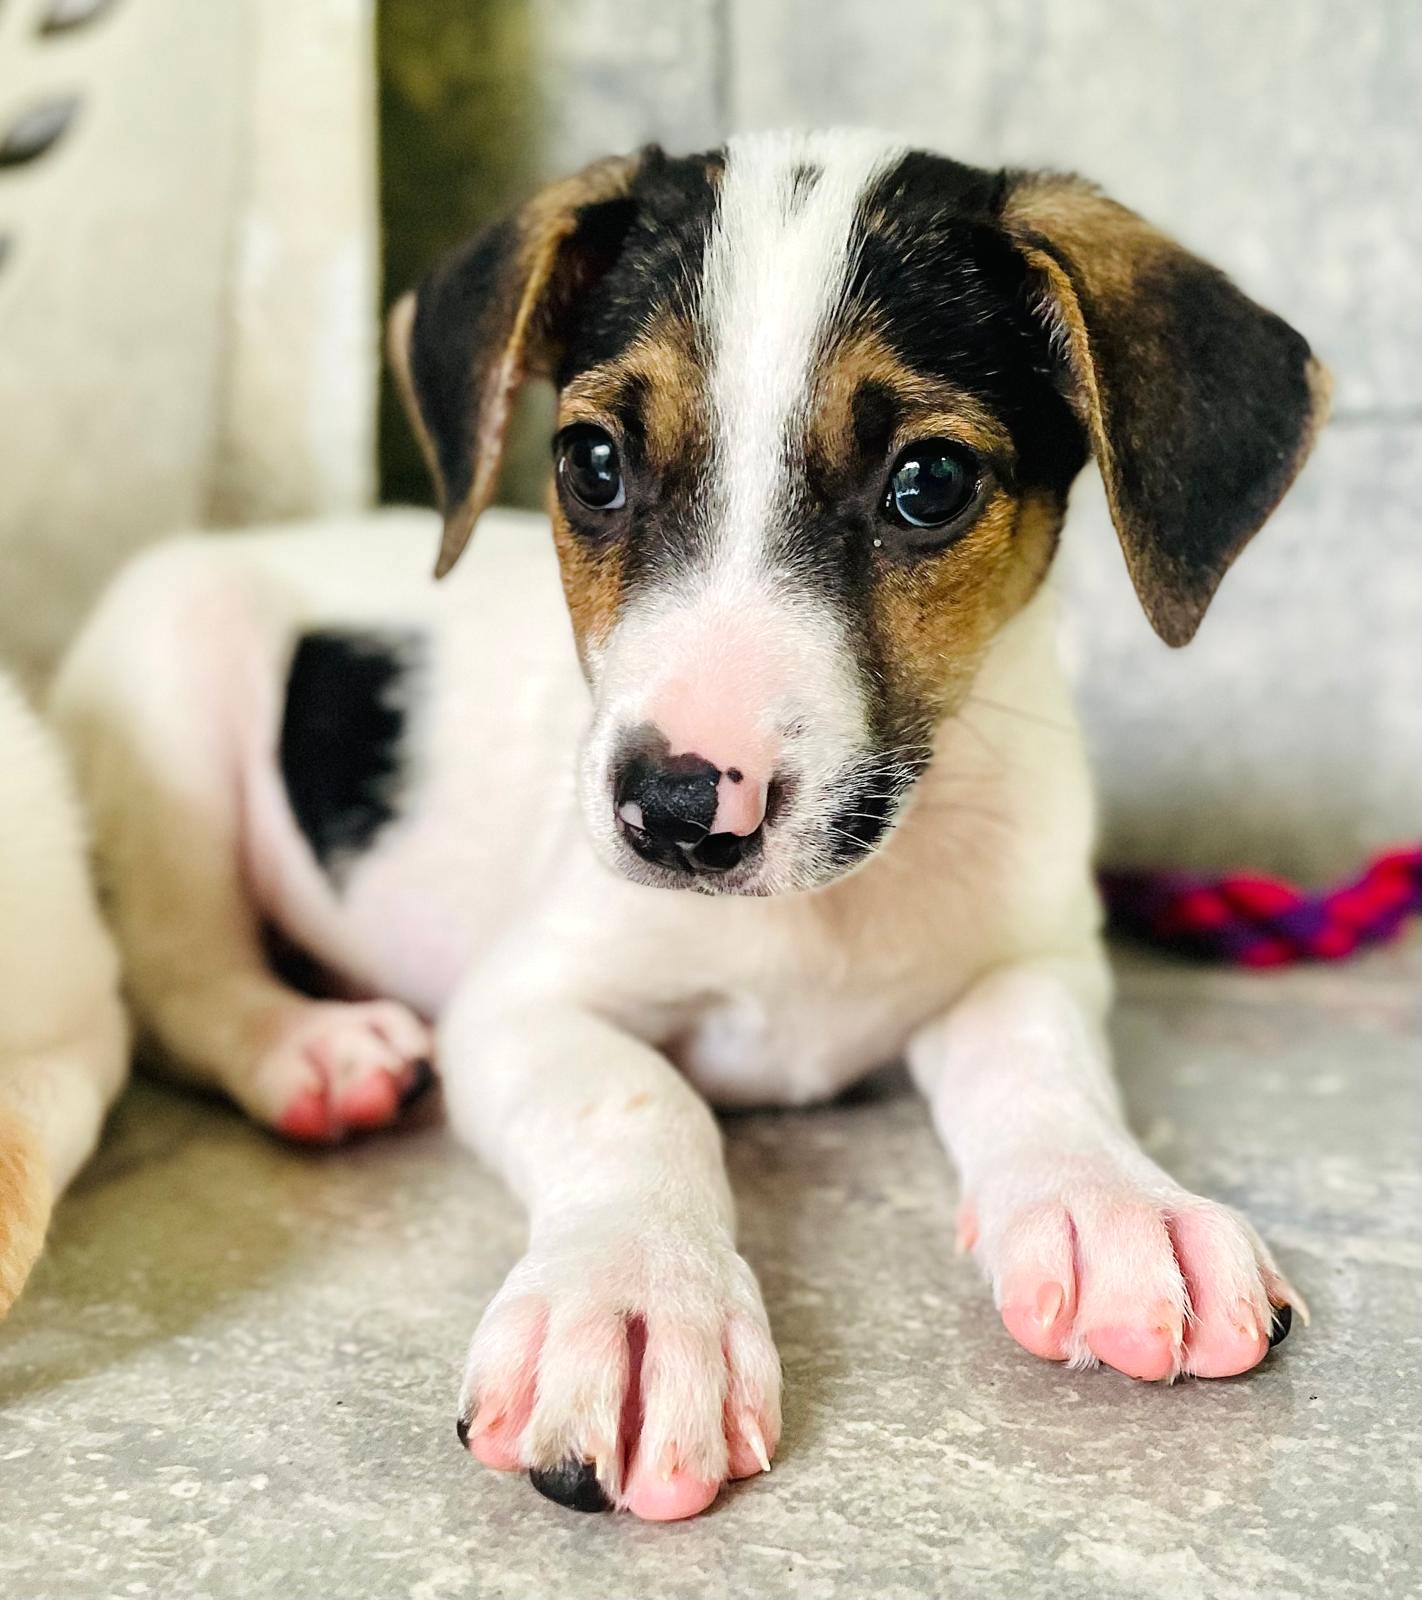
<point>653,396</point>
<point>868,402</point>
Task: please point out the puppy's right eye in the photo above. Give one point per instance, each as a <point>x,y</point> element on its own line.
<point>588,466</point>
<point>932,484</point>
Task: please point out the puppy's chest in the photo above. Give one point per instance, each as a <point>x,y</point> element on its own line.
<point>801,1030</point>
<point>796,1047</point>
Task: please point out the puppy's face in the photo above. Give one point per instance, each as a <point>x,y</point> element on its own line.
<point>820,404</point>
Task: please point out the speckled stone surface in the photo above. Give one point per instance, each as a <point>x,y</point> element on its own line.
<point>234,1375</point>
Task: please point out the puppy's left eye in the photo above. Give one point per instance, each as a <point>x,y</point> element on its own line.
<point>932,484</point>
<point>588,465</point>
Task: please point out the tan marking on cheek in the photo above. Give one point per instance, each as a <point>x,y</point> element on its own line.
<point>933,619</point>
<point>663,369</point>
<point>592,579</point>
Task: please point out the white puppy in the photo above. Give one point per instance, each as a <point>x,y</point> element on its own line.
<point>63,1040</point>
<point>799,791</point>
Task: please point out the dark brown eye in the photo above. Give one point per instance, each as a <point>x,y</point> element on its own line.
<point>932,483</point>
<point>588,465</point>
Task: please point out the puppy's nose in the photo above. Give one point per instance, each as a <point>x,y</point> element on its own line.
<point>687,813</point>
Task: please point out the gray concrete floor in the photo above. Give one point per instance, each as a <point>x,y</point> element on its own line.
<point>234,1375</point>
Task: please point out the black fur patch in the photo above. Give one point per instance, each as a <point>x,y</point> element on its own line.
<point>952,299</point>
<point>462,307</point>
<point>464,318</point>
<point>1206,399</point>
<point>875,416</point>
<point>866,809</point>
<point>658,264</point>
<point>344,737</point>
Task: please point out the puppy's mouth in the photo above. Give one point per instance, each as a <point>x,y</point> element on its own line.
<point>717,864</point>
<point>867,804</point>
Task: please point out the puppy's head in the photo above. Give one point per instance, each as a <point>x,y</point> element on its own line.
<point>820,401</point>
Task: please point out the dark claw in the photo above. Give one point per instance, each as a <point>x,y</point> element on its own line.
<point>1283,1320</point>
<point>461,1427</point>
<point>421,1082</point>
<point>573,1484</point>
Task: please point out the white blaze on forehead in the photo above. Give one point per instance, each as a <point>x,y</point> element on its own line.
<point>716,653</point>
<point>777,265</point>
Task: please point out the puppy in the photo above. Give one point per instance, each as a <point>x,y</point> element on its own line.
<point>786,784</point>
<point>63,1038</point>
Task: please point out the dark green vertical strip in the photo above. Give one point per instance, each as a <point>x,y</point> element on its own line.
<point>459,145</point>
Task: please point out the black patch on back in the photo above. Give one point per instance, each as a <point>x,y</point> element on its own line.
<point>343,749</point>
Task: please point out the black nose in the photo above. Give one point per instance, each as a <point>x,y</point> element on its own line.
<point>665,806</point>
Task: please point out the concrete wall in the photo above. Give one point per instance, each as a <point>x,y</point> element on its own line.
<point>1280,141</point>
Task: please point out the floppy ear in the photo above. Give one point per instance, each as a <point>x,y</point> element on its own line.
<point>1200,405</point>
<point>493,312</point>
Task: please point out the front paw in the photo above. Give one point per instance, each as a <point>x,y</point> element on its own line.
<point>1094,1265</point>
<point>635,1370</point>
<point>330,1068</point>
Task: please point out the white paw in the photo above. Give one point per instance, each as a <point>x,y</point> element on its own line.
<point>627,1367</point>
<point>1090,1263</point>
<point>334,1067</point>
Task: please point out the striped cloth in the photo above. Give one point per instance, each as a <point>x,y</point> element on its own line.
<point>1252,921</point>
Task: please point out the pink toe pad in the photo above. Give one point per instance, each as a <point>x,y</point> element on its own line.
<point>1146,1353</point>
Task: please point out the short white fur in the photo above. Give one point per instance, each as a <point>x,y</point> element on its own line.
<point>777,266</point>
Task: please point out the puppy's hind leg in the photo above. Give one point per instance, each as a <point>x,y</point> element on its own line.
<point>63,1039</point>
<point>53,1098</point>
<point>170,700</point>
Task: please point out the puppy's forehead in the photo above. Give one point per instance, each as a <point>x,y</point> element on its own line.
<point>778,264</point>
<point>762,261</point>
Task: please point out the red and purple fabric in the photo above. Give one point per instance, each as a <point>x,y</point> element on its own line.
<point>1252,921</point>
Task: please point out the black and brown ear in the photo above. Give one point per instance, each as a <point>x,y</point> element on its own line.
<point>1200,405</point>
<point>494,312</point>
